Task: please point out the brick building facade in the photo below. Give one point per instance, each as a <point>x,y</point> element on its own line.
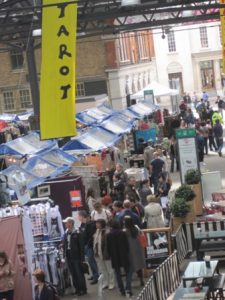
<point>112,66</point>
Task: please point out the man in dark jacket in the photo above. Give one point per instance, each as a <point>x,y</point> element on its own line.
<point>130,190</point>
<point>88,229</point>
<point>200,145</point>
<point>128,212</point>
<point>218,133</point>
<point>74,253</point>
<point>118,249</point>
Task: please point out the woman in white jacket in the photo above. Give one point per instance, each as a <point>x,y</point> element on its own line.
<point>154,213</point>
<point>102,256</point>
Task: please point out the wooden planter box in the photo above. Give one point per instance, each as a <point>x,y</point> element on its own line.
<point>189,218</point>
<point>198,204</point>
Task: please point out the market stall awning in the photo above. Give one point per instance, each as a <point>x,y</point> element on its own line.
<point>129,114</point>
<point>59,157</point>
<point>9,117</point>
<point>142,109</point>
<point>24,116</point>
<point>94,139</point>
<point>27,145</point>
<point>31,179</point>
<point>117,125</point>
<point>100,113</point>
<point>43,168</point>
<point>85,119</point>
<point>159,90</point>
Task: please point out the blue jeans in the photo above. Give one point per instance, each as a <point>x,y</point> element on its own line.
<point>89,253</point>
<point>219,142</point>
<point>77,275</point>
<point>129,274</point>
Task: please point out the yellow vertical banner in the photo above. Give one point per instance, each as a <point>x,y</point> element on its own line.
<point>222,19</point>
<point>57,87</point>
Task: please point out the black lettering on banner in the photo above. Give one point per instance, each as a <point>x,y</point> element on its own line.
<point>62,7</point>
<point>63,51</point>
<point>64,70</point>
<point>65,89</point>
<point>62,30</point>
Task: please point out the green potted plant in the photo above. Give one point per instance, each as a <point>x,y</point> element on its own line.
<point>185,192</point>
<point>179,207</point>
<point>181,212</point>
<point>193,178</point>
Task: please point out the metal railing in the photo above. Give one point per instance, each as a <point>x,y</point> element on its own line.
<point>164,280</point>
<point>180,243</point>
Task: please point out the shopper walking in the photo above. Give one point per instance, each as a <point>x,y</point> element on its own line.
<point>100,212</point>
<point>211,136</point>
<point>43,291</point>
<point>131,189</point>
<point>218,132</point>
<point>157,166</point>
<point>205,133</point>
<point>102,255</point>
<point>6,277</point>
<point>118,249</point>
<point>88,229</point>
<point>154,213</point>
<point>90,200</point>
<point>144,191</point>
<point>136,254</point>
<point>74,254</point>
<point>173,154</point>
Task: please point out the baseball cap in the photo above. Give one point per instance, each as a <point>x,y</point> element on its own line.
<point>68,219</point>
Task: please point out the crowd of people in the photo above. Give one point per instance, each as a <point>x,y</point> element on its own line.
<point>207,121</point>
<point>109,236</point>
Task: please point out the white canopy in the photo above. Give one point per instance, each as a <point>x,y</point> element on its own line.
<point>159,90</point>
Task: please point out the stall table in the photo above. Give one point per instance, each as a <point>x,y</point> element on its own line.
<point>211,243</point>
<point>189,293</point>
<point>198,269</point>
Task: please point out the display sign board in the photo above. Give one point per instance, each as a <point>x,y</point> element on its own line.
<point>187,151</point>
<point>75,199</point>
<point>57,88</point>
<point>149,96</point>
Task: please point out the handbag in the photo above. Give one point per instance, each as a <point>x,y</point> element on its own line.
<point>142,239</point>
<point>85,267</point>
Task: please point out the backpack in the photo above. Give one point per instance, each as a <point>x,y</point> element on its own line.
<point>54,290</point>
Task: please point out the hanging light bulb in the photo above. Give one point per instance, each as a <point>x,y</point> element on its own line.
<point>130,2</point>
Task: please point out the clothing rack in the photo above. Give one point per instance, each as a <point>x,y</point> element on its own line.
<point>40,200</point>
<point>52,241</point>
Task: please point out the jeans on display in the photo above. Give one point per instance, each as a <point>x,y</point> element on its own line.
<point>77,274</point>
<point>89,253</point>
<point>120,283</point>
<point>7,295</point>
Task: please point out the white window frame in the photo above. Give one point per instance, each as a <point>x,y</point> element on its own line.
<point>142,46</point>
<point>80,89</point>
<point>204,37</point>
<point>171,42</point>
<point>25,99</point>
<point>9,96</point>
<point>123,47</point>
